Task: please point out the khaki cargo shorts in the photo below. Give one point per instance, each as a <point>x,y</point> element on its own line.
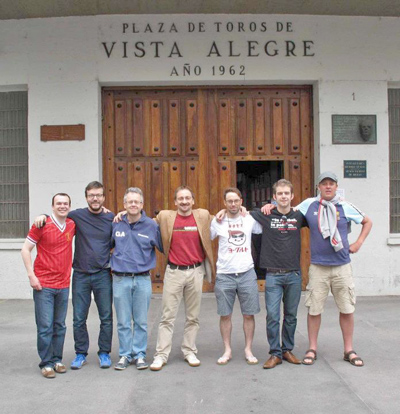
<point>337,279</point>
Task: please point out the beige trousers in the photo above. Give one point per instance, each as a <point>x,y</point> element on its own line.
<point>178,284</point>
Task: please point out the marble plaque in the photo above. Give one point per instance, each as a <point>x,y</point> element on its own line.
<point>354,129</point>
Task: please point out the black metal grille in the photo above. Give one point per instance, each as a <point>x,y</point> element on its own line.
<point>394,157</point>
<point>14,195</point>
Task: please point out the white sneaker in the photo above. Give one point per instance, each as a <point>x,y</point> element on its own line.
<point>157,364</point>
<point>192,360</point>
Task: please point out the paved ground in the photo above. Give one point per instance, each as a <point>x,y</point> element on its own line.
<point>329,386</point>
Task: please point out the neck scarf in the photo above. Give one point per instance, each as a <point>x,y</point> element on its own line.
<point>327,221</point>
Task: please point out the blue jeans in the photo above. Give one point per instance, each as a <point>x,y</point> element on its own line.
<point>132,300</point>
<point>287,288</point>
<point>50,312</point>
<point>83,284</point>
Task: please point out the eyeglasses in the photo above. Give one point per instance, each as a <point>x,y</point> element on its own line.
<point>135,202</point>
<point>93,196</point>
<point>233,201</point>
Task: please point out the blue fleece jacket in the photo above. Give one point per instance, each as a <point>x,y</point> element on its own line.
<point>134,245</point>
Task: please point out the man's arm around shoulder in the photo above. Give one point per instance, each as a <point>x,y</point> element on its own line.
<point>161,216</point>
<point>203,213</point>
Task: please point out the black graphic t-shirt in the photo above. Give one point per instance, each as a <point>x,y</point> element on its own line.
<point>281,241</point>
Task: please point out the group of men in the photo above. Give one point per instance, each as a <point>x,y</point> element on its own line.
<point>184,235</point>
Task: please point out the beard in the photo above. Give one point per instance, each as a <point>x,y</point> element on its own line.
<point>95,208</point>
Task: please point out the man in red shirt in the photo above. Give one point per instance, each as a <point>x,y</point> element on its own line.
<point>187,245</point>
<point>50,279</point>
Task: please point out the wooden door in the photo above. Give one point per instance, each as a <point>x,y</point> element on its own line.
<point>158,139</point>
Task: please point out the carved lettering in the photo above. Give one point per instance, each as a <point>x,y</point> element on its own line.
<point>140,47</point>
<point>186,70</point>
<point>290,46</point>
<point>108,51</point>
<point>200,28</point>
<point>307,46</point>
<point>237,47</point>
<point>231,54</point>
<point>214,50</point>
<point>218,25</point>
<point>268,50</point>
<point>175,51</point>
<point>156,48</point>
<point>251,46</point>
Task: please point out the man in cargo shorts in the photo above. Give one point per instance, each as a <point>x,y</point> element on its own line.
<point>328,218</point>
<point>235,273</point>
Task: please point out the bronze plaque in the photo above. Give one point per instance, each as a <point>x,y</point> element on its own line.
<point>354,129</point>
<point>62,132</point>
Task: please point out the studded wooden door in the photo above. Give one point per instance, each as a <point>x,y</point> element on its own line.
<point>158,139</point>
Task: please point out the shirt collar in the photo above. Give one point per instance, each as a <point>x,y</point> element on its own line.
<point>60,226</point>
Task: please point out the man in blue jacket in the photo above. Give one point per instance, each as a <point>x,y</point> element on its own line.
<point>135,239</point>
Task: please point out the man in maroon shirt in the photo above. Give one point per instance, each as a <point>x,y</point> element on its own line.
<point>187,244</point>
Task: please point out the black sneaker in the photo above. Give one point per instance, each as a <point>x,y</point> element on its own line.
<point>122,364</point>
<point>141,363</point>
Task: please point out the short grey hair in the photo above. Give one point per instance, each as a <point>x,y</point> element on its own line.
<point>134,190</point>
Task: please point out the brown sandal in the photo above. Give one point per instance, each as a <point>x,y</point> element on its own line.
<point>313,359</point>
<point>353,361</point>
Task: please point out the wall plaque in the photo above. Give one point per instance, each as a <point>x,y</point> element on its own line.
<point>355,169</point>
<point>354,129</point>
<point>62,132</point>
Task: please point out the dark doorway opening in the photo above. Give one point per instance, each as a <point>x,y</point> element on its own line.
<point>255,180</point>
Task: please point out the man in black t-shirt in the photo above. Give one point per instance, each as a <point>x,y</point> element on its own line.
<point>280,256</point>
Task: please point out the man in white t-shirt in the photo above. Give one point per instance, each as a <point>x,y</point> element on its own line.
<point>235,273</point>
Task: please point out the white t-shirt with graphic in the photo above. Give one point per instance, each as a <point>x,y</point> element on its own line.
<point>234,250</point>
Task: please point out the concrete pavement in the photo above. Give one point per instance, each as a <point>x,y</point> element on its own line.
<point>329,386</point>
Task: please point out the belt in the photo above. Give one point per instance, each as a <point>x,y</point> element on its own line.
<point>281,271</point>
<point>131,274</point>
<point>179,267</point>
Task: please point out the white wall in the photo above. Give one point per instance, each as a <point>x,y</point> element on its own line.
<point>63,64</point>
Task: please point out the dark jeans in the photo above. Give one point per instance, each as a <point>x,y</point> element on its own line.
<point>50,312</point>
<point>83,284</point>
<point>287,288</point>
